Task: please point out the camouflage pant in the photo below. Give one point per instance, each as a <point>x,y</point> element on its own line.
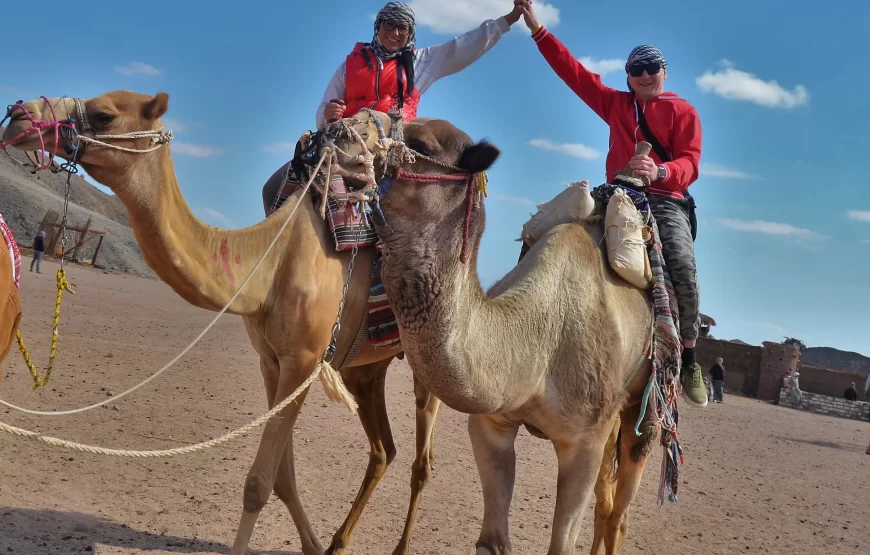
<point>678,248</point>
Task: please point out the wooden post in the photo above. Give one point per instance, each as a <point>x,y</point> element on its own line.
<point>96,252</point>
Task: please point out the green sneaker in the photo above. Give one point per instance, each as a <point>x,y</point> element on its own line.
<point>693,385</point>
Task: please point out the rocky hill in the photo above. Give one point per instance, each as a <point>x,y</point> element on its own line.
<point>26,197</point>
<point>827,357</point>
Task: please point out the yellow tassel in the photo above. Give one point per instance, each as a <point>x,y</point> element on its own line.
<point>482,182</point>
<point>334,387</point>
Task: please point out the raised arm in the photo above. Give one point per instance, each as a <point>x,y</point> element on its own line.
<point>445,59</point>
<point>334,90</point>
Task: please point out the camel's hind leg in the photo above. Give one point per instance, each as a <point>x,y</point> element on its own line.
<point>604,487</point>
<point>367,384</point>
<point>273,465</point>
<point>634,453</point>
<point>427,412</point>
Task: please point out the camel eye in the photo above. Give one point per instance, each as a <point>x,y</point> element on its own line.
<point>104,119</point>
<point>421,147</point>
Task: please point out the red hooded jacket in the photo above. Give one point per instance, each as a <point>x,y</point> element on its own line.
<point>672,120</point>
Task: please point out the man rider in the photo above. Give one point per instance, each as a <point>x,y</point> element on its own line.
<point>676,126</point>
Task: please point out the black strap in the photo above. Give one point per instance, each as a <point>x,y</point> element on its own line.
<point>647,132</point>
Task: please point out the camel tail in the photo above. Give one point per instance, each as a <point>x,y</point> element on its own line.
<point>617,453</point>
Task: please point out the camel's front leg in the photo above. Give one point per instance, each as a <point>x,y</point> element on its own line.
<point>275,445</point>
<point>579,462</point>
<point>367,384</point>
<point>427,412</point>
<point>493,445</point>
<point>604,490</point>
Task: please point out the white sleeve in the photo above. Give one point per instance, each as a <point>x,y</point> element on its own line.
<point>445,59</point>
<point>335,89</point>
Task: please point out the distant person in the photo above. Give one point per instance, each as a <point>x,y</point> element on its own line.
<point>851,394</point>
<point>717,377</point>
<point>38,251</point>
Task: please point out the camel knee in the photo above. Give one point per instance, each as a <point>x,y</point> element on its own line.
<point>421,472</point>
<point>380,457</point>
<point>257,492</point>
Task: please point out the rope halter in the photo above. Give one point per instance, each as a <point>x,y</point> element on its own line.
<point>71,130</point>
<point>395,153</point>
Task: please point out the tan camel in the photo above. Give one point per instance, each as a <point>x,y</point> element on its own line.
<point>553,346</point>
<point>289,306</point>
<point>10,305</point>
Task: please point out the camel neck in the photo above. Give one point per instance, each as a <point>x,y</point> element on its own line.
<point>203,264</point>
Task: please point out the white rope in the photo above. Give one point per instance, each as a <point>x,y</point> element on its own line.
<point>158,137</point>
<point>327,153</point>
<point>238,432</point>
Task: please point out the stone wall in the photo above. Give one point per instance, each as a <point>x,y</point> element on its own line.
<point>823,404</point>
<point>742,362</point>
<point>776,361</point>
<point>833,383</point>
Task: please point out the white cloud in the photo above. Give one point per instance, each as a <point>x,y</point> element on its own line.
<point>716,170</point>
<point>734,84</point>
<point>770,228</point>
<point>139,68</point>
<point>280,148</point>
<point>213,217</point>
<point>174,125</point>
<point>602,67</point>
<point>459,16</point>
<point>512,199</point>
<point>576,150</point>
<point>197,151</point>
<point>860,215</point>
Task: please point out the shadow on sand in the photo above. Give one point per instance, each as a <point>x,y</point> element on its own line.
<point>828,444</point>
<point>51,532</point>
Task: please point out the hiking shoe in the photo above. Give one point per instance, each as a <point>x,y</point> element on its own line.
<point>693,385</point>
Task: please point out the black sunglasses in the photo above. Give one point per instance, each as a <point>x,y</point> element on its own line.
<point>651,69</point>
<point>390,26</point>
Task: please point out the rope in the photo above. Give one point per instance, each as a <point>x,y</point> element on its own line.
<point>196,339</point>
<point>39,381</point>
<point>238,432</point>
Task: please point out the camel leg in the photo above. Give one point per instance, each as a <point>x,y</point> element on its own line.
<point>635,452</point>
<point>427,412</point>
<point>579,462</point>
<point>367,384</point>
<point>604,491</point>
<point>275,445</point>
<point>492,442</point>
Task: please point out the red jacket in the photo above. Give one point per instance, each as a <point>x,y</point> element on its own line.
<point>672,120</point>
<point>368,86</point>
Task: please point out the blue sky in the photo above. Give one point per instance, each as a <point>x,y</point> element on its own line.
<point>784,240</point>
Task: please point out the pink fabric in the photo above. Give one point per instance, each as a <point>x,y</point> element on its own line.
<point>12,248</point>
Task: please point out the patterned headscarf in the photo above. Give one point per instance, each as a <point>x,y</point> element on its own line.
<point>645,54</point>
<point>398,12</point>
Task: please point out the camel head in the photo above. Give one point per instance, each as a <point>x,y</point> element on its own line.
<point>92,130</point>
<point>428,196</point>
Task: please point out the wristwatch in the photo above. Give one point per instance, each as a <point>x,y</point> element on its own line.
<point>662,172</point>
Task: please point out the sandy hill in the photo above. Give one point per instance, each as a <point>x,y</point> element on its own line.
<point>26,197</point>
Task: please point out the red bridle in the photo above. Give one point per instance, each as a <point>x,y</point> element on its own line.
<point>38,127</point>
<point>472,183</point>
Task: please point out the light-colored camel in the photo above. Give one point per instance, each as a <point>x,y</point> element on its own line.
<point>10,306</point>
<point>553,345</point>
<point>289,306</point>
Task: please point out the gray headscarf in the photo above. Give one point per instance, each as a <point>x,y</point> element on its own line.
<point>400,13</point>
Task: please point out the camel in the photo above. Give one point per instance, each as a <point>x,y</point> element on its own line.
<point>555,345</point>
<point>10,301</point>
<point>289,307</point>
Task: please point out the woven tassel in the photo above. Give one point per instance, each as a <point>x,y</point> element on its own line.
<point>334,387</point>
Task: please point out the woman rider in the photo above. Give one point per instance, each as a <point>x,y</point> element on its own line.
<point>390,72</point>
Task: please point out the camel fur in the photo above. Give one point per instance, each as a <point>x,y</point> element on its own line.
<point>551,345</point>
<point>289,306</point>
<point>10,307</point>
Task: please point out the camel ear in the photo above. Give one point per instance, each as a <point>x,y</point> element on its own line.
<point>479,157</point>
<point>156,107</point>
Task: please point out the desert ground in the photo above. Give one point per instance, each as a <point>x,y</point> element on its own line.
<point>758,478</point>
